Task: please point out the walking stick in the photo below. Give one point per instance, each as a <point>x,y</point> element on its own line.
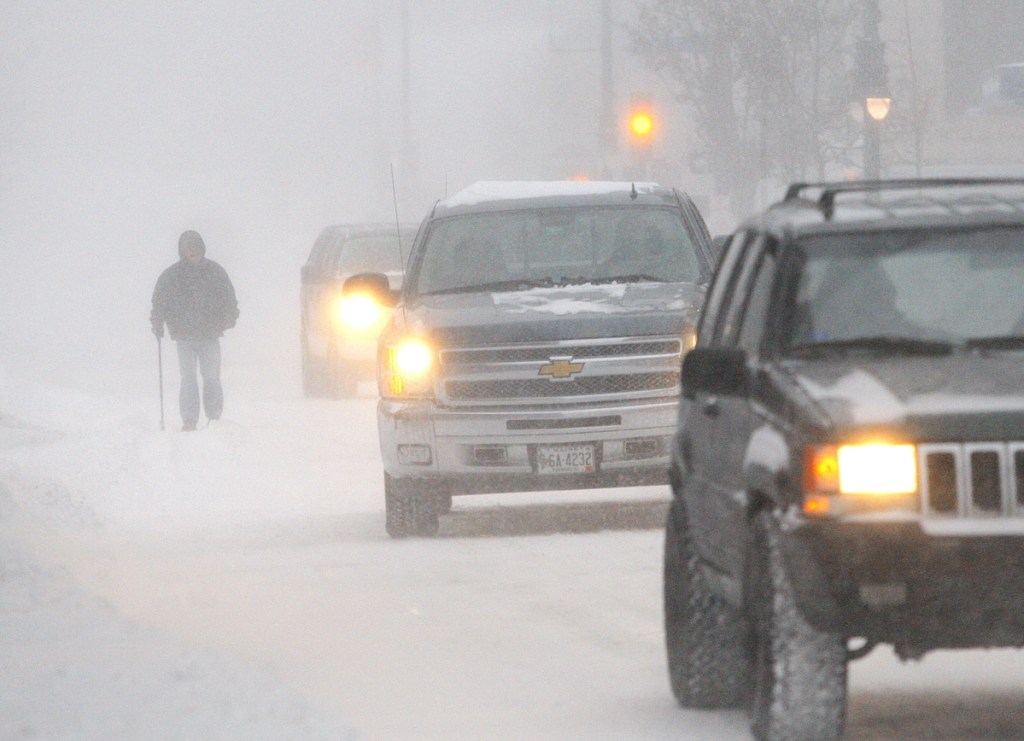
<point>160,365</point>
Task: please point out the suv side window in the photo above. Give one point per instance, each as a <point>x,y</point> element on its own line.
<point>728,328</point>
<point>759,297</point>
<point>722,288</point>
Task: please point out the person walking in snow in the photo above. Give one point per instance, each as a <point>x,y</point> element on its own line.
<point>195,299</point>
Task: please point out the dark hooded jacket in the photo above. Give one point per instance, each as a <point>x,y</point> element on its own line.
<point>197,301</point>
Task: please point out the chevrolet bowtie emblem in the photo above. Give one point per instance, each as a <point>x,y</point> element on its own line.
<point>560,368</point>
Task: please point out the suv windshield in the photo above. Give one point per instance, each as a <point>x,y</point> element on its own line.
<point>519,249</point>
<point>911,288</point>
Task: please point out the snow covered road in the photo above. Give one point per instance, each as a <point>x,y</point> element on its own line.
<point>237,583</point>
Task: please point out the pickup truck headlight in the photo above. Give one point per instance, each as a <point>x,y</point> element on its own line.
<point>839,479</point>
<point>406,369</point>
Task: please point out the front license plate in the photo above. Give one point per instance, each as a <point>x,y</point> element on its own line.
<point>565,459</point>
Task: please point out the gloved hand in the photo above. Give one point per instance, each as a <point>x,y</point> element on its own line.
<point>158,329</point>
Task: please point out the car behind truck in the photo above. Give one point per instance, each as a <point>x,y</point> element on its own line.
<point>536,342</point>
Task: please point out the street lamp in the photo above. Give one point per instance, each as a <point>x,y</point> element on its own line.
<point>878,108</point>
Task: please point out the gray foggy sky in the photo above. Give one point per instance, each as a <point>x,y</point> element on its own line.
<point>125,123</point>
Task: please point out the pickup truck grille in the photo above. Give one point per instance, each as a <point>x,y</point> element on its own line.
<point>471,356</point>
<point>573,371</point>
<point>546,389</point>
<point>972,479</point>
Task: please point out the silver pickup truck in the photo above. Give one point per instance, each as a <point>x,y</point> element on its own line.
<point>536,342</point>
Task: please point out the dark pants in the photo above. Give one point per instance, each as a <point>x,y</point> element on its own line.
<point>205,353</point>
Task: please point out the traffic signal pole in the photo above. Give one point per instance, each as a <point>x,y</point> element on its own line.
<point>608,139</point>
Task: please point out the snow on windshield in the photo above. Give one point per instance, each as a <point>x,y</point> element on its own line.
<point>557,246</point>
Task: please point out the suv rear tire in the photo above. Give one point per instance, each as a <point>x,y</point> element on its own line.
<point>799,672</point>
<point>708,660</point>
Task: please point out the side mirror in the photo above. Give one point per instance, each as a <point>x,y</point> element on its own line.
<point>715,370</point>
<point>373,284</point>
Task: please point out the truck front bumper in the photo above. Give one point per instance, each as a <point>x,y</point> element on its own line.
<point>491,450</point>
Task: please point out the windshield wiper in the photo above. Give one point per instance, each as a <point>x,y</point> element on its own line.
<point>630,278</point>
<point>515,284</point>
<point>884,344</point>
<point>997,342</point>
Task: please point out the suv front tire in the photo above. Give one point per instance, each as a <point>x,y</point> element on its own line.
<point>799,672</point>
<point>706,638</point>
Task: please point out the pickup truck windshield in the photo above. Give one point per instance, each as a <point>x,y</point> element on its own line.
<point>961,287</point>
<point>563,246</point>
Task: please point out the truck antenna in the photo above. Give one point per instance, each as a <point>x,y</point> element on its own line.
<point>398,223</point>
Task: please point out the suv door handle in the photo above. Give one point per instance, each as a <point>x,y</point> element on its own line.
<point>710,407</point>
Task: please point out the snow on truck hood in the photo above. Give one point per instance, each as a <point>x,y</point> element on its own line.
<point>603,299</point>
<point>549,313</point>
<point>892,391</point>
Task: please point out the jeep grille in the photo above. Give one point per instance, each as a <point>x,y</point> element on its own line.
<point>973,480</point>
<point>571,372</point>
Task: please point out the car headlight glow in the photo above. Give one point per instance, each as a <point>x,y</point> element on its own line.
<point>406,368</point>
<point>358,312</point>
<point>877,469</point>
<point>412,358</point>
<point>863,475</point>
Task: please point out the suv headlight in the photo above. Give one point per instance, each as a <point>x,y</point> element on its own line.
<point>842,479</point>
<point>407,369</point>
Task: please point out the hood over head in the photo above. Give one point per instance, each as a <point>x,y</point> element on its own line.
<point>191,238</point>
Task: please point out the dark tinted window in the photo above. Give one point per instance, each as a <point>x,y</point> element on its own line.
<point>758,300</point>
<point>927,285</point>
<point>728,328</point>
<point>717,302</point>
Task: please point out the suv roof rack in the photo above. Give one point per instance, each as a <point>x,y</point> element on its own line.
<point>829,191</point>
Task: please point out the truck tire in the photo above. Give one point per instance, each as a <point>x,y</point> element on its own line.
<point>444,503</point>
<point>408,509</point>
<point>344,380</point>
<point>345,383</point>
<point>708,657</point>
<point>799,672</point>
<point>315,381</point>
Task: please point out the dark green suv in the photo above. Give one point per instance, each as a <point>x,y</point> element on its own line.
<point>849,464</point>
